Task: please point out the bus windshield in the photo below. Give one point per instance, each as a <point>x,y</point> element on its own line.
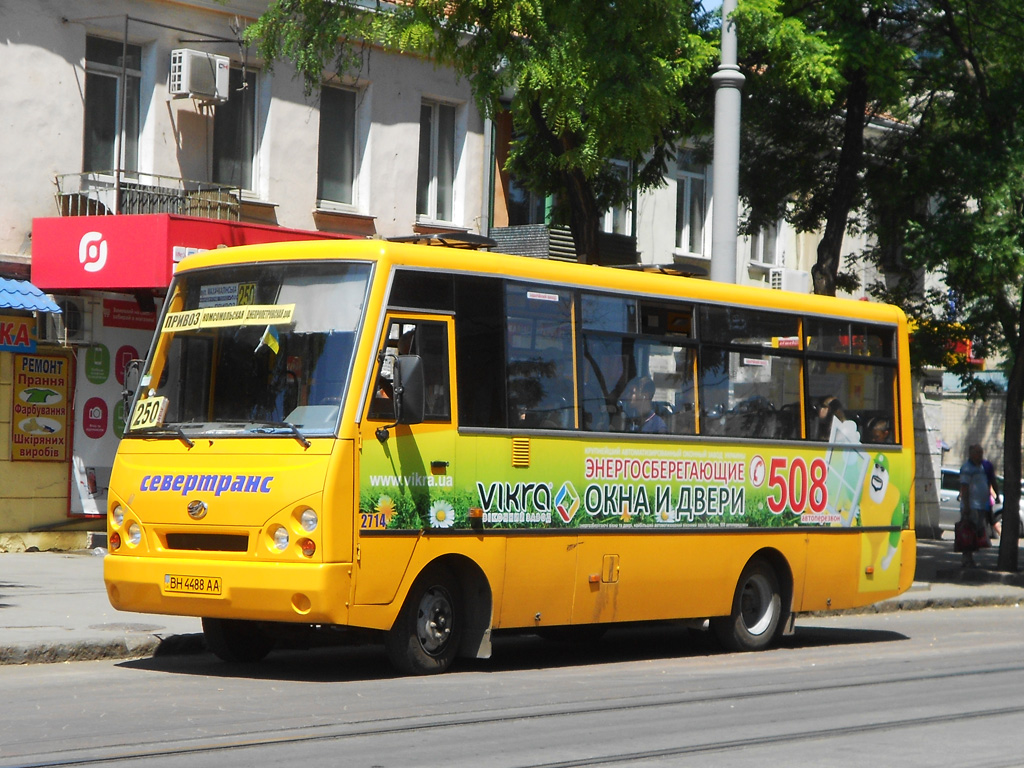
<point>248,350</point>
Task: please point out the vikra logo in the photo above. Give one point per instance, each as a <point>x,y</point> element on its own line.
<point>526,497</point>
<point>567,502</point>
<point>514,497</point>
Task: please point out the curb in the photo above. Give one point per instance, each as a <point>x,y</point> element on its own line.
<point>154,646</point>
<point>149,646</point>
<point>897,604</point>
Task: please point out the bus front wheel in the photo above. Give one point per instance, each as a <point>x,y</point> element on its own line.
<point>236,641</point>
<point>756,610</point>
<point>426,634</point>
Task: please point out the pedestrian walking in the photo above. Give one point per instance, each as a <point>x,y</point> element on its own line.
<point>971,532</point>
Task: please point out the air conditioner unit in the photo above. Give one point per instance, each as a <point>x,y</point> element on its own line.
<point>782,279</point>
<point>199,75</point>
<point>72,326</point>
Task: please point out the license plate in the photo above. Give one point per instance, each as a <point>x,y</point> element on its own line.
<point>192,585</point>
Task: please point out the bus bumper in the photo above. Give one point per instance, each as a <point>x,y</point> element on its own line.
<point>308,593</point>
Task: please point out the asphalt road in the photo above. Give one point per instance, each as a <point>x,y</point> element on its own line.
<point>925,688</point>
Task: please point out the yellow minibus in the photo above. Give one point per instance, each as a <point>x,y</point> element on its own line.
<point>435,443</point>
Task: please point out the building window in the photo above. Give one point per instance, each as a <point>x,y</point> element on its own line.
<point>111,105</point>
<point>619,219</point>
<point>337,154</point>
<point>234,132</point>
<point>691,205</point>
<point>764,246</point>
<point>436,177</point>
<point>524,206</point>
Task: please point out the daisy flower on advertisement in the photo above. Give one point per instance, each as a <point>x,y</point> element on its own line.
<point>442,514</point>
<point>386,506</point>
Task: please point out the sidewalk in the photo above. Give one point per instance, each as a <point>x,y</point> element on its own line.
<point>53,605</point>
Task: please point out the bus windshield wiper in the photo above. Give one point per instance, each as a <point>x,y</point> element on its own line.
<point>166,430</point>
<point>272,426</point>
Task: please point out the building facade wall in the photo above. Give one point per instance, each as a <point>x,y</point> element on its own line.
<point>42,129</point>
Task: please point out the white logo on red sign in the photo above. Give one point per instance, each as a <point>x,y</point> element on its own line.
<point>92,251</point>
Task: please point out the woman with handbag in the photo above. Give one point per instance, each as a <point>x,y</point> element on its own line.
<point>971,532</point>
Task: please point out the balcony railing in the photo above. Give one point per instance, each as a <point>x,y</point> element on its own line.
<point>98,194</point>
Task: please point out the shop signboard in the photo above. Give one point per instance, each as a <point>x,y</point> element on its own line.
<point>17,334</point>
<point>41,412</point>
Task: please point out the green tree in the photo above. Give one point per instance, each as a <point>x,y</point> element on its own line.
<point>939,184</point>
<point>817,74</point>
<point>954,202</point>
<point>591,80</point>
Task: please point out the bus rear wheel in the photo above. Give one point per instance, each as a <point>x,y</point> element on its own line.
<point>235,640</point>
<point>427,632</point>
<point>756,610</point>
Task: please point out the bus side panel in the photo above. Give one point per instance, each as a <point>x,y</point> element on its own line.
<point>340,504</point>
<point>835,562</point>
<point>657,577</point>
<point>381,567</point>
<point>539,574</point>
<point>481,557</point>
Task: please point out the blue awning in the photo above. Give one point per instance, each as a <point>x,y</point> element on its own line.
<point>21,294</point>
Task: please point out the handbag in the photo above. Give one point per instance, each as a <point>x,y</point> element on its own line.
<point>965,536</point>
<point>982,539</point>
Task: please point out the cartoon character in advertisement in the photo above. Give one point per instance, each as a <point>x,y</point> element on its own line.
<point>882,504</point>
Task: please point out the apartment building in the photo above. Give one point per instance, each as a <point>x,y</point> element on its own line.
<point>136,132</point>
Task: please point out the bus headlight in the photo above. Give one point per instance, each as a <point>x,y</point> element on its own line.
<point>281,538</point>
<point>134,534</point>
<point>308,520</point>
<point>117,516</point>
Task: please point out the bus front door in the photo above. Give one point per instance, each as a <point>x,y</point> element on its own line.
<point>407,480</point>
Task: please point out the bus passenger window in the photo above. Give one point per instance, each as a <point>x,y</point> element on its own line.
<point>429,340</point>
<point>614,367</point>
<point>539,364</point>
<point>750,373</point>
<point>866,392</point>
<point>480,351</point>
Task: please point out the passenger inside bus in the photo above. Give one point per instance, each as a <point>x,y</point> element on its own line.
<point>829,408</point>
<point>879,430</point>
<point>638,408</point>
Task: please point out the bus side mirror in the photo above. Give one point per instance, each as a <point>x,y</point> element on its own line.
<point>409,389</point>
<point>132,372</point>
<point>410,402</point>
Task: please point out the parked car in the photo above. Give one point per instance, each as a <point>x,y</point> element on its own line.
<point>949,499</point>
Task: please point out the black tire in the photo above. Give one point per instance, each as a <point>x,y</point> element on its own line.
<point>756,610</point>
<point>236,641</point>
<point>428,630</point>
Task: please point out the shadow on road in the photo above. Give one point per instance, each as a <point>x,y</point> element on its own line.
<point>938,563</point>
<point>511,653</point>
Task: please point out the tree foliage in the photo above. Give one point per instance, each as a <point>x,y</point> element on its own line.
<point>903,119</point>
<point>590,80</point>
<point>955,202</point>
<point>817,74</point>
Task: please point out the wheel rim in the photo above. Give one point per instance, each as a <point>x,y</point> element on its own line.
<point>757,604</point>
<point>434,620</point>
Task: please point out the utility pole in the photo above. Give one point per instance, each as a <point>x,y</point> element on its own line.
<point>728,82</point>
